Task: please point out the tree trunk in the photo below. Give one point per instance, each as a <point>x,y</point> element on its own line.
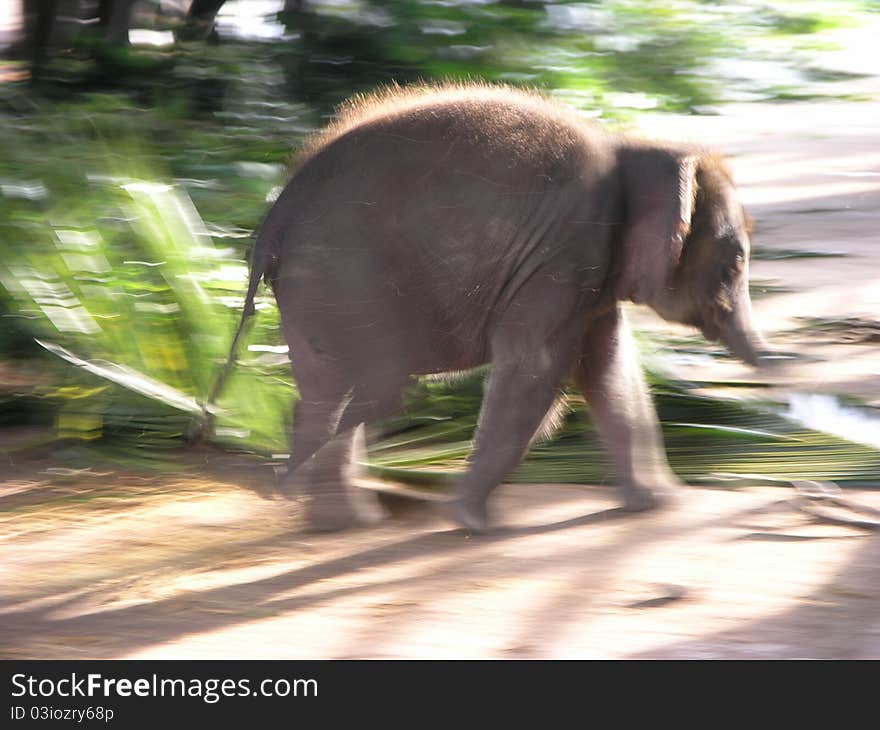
<point>200,20</point>
<point>39,24</point>
<point>114,17</point>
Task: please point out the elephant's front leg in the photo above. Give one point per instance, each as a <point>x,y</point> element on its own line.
<point>520,391</point>
<point>611,379</point>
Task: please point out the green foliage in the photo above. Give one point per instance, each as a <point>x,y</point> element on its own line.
<point>703,436</point>
<point>105,253</point>
<point>586,52</point>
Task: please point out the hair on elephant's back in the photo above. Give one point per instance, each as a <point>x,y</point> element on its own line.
<point>489,105</point>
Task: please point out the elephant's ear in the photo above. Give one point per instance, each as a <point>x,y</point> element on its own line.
<point>659,188</point>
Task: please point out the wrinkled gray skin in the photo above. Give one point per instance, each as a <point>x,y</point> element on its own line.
<point>457,228</point>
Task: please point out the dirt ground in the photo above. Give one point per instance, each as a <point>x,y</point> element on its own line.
<point>112,566</point>
<point>205,563</point>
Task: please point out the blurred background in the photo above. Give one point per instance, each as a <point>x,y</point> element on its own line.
<point>142,141</point>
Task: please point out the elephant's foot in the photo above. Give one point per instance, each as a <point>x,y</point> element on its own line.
<point>334,502</point>
<point>331,513</point>
<point>641,498</point>
<point>470,514</point>
<point>329,508</point>
<point>369,509</point>
<point>343,507</point>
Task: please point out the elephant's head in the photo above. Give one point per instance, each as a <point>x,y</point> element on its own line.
<point>685,244</point>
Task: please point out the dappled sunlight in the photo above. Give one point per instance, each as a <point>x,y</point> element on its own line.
<point>605,589</point>
<point>114,542</point>
<point>700,582</point>
<point>198,568</point>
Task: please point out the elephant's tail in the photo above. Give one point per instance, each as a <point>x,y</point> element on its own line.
<point>263,259</point>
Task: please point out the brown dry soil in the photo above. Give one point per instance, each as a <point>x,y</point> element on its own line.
<point>109,565</point>
<point>206,563</point>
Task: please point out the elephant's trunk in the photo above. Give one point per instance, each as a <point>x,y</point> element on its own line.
<point>736,331</point>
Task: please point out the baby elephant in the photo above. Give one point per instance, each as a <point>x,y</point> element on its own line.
<point>435,229</point>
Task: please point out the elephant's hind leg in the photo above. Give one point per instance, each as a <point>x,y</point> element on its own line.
<point>326,436</point>
<point>336,501</point>
<point>320,460</point>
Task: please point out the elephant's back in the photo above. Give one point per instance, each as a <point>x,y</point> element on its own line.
<point>470,122</point>
<point>455,170</point>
